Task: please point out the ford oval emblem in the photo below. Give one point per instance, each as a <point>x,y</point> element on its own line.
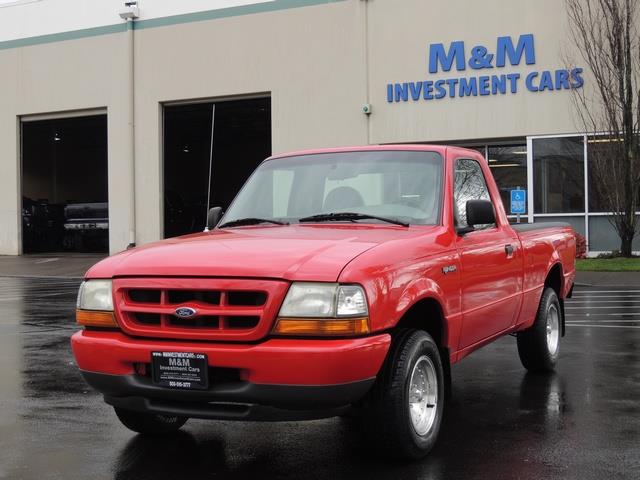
<point>185,312</point>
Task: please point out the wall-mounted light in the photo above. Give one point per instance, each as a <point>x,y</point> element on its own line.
<point>56,137</point>
<point>185,149</point>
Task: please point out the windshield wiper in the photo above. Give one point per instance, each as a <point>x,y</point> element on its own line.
<point>251,221</point>
<point>339,216</point>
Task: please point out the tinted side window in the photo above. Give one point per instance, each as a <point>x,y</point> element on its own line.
<point>469,185</point>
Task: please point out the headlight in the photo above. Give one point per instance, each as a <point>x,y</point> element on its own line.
<point>323,309</point>
<point>351,301</point>
<point>95,295</point>
<point>95,304</point>
<point>324,300</point>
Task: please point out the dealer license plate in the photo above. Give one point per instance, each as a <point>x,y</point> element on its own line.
<point>183,370</point>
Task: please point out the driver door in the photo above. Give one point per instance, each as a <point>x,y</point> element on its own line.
<point>491,262</point>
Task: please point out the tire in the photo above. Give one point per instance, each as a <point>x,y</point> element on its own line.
<point>539,345</point>
<point>413,360</point>
<point>150,423</point>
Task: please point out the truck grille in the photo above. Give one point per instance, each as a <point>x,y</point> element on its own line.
<point>225,309</point>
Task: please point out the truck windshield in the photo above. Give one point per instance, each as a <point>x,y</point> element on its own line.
<point>403,186</point>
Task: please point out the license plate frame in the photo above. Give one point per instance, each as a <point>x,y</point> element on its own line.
<point>180,370</point>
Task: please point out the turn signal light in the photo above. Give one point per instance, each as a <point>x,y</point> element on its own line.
<point>91,318</point>
<point>325,327</point>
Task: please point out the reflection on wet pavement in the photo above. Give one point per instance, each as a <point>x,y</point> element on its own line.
<point>582,422</point>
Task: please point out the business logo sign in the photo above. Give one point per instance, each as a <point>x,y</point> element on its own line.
<point>480,58</point>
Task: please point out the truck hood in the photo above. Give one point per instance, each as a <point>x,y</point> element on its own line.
<point>295,252</point>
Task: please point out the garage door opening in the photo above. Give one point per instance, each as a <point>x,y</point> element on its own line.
<point>64,185</point>
<point>241,140</point>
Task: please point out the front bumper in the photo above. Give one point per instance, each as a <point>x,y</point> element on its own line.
<point>289,374</point>
<point>237,401</point>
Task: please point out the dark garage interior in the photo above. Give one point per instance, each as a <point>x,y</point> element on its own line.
<point>241,140</point>
<point>64,185</point>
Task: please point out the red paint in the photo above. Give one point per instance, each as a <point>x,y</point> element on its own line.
<point>489,293</point>
<point>275,361</point>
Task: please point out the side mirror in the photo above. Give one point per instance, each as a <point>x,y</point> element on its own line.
<point>213,217</point>
<point>480,212</point>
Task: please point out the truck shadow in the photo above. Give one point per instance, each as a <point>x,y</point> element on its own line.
<point>489,432</point>
<point>175,456</point>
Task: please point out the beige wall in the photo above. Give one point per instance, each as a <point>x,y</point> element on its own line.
<point>312,61</point>
<point>57,78</point>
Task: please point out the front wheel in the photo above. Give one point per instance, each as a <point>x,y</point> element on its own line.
<point>149,423</point>
<point>539,345</point>
<point>405,407</point>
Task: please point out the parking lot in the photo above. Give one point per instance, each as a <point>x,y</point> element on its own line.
<point>582,422</point>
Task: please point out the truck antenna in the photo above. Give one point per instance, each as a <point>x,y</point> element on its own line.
<point>206,213</point>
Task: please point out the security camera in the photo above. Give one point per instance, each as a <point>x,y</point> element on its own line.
<point>132,11</point>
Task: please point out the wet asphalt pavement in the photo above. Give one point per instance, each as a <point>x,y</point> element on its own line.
<point>582,422</point>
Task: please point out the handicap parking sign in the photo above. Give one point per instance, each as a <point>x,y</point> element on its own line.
<point>518,202</point>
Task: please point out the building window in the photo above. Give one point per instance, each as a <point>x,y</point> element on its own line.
<point>603,156</point>
<point>508,165</point>
<point>558,174</point>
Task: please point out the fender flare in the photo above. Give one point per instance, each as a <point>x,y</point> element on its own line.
<point>554,262</point>
<point>422,289</point>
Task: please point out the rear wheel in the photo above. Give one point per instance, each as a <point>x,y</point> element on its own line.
<point>150,423</point>
<point>405,408</point>
<point>539,345</point>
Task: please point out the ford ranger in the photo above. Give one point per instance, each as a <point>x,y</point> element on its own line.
<point>339,281</point>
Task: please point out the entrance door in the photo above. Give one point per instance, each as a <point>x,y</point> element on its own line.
<point>241,140</point>
<point>491,263</point>
<point>65,185</point>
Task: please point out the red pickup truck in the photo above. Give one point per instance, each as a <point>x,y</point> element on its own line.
<point>338,281</point>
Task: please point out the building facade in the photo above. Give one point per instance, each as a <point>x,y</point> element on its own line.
<point>108,124</point>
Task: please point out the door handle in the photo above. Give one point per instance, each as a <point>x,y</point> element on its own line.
<point>508,248</point>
